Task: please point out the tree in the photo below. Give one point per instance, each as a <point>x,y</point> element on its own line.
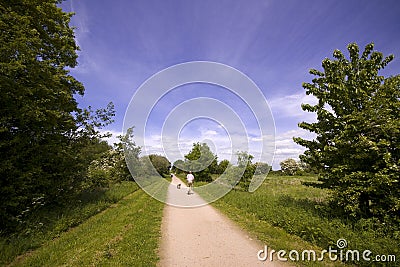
<point>262,168</point>
<point>178,166</point>
<point>244,158</point>
<point>112,165</point>
<point>356,148</point>
<point>223,165</point>
<point>44,136</point>
<point>160,163</point>
<point>246,167</point>
<point>289,166</point>
<point>128,152</point>
<point>306,168</point>
<point>199,160</point>
<point>214,166</point>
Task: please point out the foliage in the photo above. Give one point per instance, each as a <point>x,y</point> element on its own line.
<point>112,166</point>
<point>246,168</point>
<point>160,163</point>
<point>108,169</point>
<point>108,238</point>
<point>276,173</point>
<point>214,167</point>
<point>223,164</point>
<point>128,156</point>
<point>357,142</point>
<point>262,168</point>
<point>200,160</point>
<point>178,166</point>
<point>306,168</point>
<point>46,141</point>
<point>286,214</point>
<point>153,165</point>
<point>49,222</point>
<point>290,166</point>
<point>243,158</point>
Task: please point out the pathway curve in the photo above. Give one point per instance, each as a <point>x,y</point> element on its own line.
<point>202,236</point>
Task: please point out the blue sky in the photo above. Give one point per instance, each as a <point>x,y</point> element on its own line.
<point>274,43</point>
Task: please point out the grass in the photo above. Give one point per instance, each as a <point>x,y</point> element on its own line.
<point>125,231</point>
<point>51,221</point>
<point>286,214</point>
<point>125,234</point>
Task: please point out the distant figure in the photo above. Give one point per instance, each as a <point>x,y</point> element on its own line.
<point>190,180</point>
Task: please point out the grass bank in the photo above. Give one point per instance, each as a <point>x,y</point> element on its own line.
<point>51,221</point>
<point>125,234</point>
<point>286,214</point>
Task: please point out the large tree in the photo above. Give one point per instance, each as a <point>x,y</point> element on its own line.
<point>223,165</point>
<point>201,161</point>
<point>357,144</point>
<point>160,163</point>
<point>43,133</point>
<point>245,168</point>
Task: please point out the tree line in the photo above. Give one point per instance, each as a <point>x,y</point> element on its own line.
<point>204,163</point>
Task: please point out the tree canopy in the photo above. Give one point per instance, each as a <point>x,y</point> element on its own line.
<point>201,161</point>
<point>160,163</point>
<point>289,166</point>
<point>357,143</point>
<point>45,138</point>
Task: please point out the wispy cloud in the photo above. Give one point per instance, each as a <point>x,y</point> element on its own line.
<point>123,44</point>
<point>289,106</point>
<point>220,144</point>
<point>82,30</point>
<point>287,148</point>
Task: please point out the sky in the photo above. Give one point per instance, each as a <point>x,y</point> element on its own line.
<point>123,43</point>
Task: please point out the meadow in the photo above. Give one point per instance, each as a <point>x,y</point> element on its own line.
<point>287,213</point>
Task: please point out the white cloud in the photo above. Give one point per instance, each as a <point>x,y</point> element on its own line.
<point>290,106</point>
<point>256,139</point>
<point>287,148</point>
<point>288,151</point>
<point>174,149</point>
<point>86,63</point>
<point>210,133</point>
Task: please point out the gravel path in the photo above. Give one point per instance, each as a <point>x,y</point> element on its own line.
<point>202,236</point>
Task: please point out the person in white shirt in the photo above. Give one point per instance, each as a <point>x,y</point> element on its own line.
<point>190,180</point>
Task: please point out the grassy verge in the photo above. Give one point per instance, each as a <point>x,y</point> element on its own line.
<point>126,234</point>
<point>49,222</point>
<point>286,214</point>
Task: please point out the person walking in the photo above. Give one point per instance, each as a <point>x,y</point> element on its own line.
<point>190,180</point>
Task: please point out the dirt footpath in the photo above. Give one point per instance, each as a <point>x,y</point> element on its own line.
<point>202,236</point>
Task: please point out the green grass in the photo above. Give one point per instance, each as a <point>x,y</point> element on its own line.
<point>125,234</point>
<point>51,221</point>
<point>286,214</point>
